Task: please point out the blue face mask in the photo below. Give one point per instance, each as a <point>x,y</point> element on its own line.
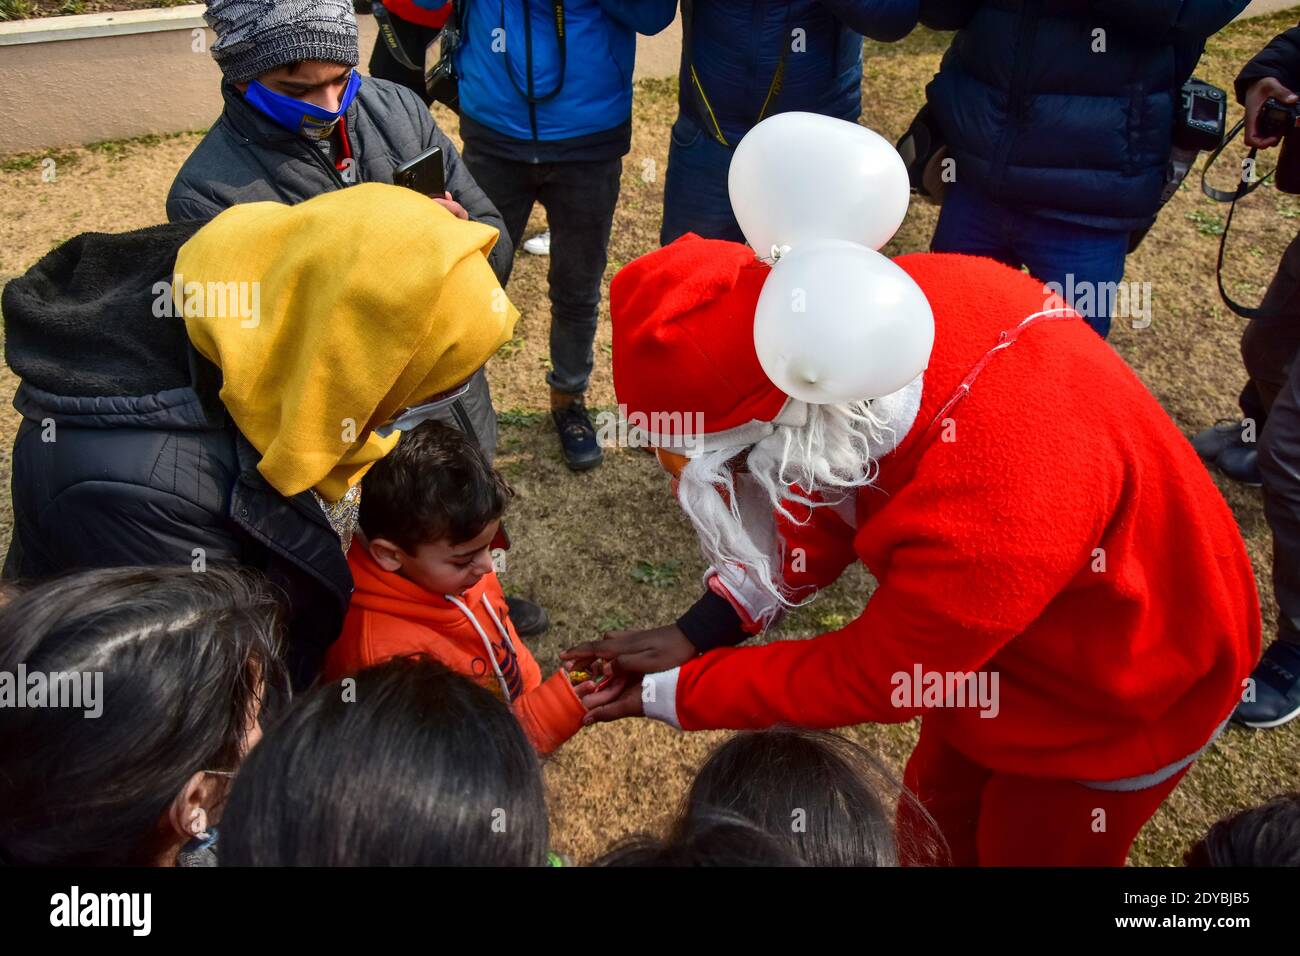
<point>297,116</point>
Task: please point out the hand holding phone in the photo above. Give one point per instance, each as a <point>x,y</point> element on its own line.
<point>425,174</point>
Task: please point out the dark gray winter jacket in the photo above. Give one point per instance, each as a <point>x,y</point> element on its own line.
<point>247,158</point>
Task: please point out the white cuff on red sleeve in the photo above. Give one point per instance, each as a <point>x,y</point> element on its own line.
<point>659,696</point>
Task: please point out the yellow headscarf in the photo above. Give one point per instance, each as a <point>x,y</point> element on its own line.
<point>345,309</point>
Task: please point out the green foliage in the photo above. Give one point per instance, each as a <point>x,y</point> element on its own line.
<point>661,575</point>
<point>1207,224</point>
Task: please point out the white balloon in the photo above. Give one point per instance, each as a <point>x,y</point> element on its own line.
<point>802,176</point>
<point>837,322</point>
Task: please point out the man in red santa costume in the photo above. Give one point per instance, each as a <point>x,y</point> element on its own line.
<point>1063,595</point>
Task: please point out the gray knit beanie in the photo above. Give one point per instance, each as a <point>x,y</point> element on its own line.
<point>254,36</point>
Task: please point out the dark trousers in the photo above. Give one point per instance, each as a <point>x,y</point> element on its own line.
<point>415,40</point>
<point>1065,254</point>
<point>579,199</point>
<point>1269,347</point>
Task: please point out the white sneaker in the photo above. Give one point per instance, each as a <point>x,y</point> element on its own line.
<point>540,244</point>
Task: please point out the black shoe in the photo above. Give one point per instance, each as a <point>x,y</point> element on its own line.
<point>1240,463</point>
<point>529,619</point>
<point>577,436</point>
<point>1209,444</point>
<point>1277,689</point>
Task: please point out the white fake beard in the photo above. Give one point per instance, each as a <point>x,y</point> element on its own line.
<point>734,515</point>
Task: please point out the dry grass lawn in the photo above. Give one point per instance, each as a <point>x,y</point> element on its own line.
<point>579,538</point>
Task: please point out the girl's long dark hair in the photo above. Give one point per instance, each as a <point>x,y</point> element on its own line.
<point>183,656</point>
<point>407,764</point>
<point>820,793</point>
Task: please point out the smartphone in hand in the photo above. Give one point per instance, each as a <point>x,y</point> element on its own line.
<point>425,174</point>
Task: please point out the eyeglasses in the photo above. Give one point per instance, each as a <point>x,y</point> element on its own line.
<point>413,415</point>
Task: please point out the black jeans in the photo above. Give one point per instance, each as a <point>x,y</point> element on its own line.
<point>415,40</point>
<point>579,199</point>
<point>1269,349</point>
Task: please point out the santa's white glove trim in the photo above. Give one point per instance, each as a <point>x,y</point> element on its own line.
<point>659,696</point>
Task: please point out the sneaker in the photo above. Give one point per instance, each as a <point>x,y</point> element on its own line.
<point>530,619</point>
<point>1240,462</point>
<point>539,245</point>
<point>1277,689</point>
<point>1211,442</point>
<point>577,436</point>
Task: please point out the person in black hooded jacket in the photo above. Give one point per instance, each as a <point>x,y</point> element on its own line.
<point>129,455</point>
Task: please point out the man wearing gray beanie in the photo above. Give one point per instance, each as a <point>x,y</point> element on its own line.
<point>299,120</point>
<point>256,36</point>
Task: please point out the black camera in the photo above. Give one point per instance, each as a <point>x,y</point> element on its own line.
<point>1202,116</point>
<point>1281,119</point>
<point>1278,119</point>
<point>441,81</point>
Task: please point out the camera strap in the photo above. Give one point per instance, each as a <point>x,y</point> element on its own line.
<point>1244,188</point>
<point>773,89</point>
<point>557,13</point>
<point>384,21</point>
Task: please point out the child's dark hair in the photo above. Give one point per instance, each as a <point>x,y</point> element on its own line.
<point>1268,835</point>
<point>707,839</point>
<point>411,765</point>
<point>434,484</point>
<point>823,796</point>
<point>184,657</point>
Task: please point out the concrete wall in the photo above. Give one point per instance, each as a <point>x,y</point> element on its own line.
<point>76,80</point>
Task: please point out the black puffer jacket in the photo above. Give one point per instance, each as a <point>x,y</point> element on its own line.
<point>126,455</point>
<point>1065,108</point>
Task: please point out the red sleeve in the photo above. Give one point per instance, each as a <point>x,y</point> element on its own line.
<point>967,554</point>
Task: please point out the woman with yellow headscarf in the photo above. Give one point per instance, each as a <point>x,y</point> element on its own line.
<point>231,413</point>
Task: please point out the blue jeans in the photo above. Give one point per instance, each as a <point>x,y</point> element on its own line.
<point>695,187</point>
<point>1075,257</point>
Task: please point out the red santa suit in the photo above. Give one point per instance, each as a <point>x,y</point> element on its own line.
<point>1037,520</point>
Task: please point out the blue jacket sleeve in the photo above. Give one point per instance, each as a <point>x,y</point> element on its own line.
<point>644,16</point>
<point>884,20</point>
<point>1198,18</point>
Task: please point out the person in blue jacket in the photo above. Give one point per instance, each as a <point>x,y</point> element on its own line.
<point>546,116</point>
<point>1060,116</point>
<point>744,60</point>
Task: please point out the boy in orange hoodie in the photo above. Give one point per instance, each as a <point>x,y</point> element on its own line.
<point>425,584</point>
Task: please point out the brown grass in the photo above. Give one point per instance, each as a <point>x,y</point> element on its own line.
<point>579,538</point>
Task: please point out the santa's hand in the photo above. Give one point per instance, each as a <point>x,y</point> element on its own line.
<point>636,652</point>
<point>619,697</point>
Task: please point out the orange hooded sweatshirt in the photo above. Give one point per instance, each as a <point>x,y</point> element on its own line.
<point>471,633</point>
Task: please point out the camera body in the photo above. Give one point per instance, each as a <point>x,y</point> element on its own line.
<point>1202,116</point>
<point>1280,119</point>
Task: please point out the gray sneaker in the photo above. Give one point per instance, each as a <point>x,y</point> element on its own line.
<point>1225,433</point>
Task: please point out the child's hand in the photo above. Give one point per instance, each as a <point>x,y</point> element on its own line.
<point>617,697</point>
<point>634,652</point>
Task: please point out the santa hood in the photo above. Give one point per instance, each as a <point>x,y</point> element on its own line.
<point>685,367</point>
